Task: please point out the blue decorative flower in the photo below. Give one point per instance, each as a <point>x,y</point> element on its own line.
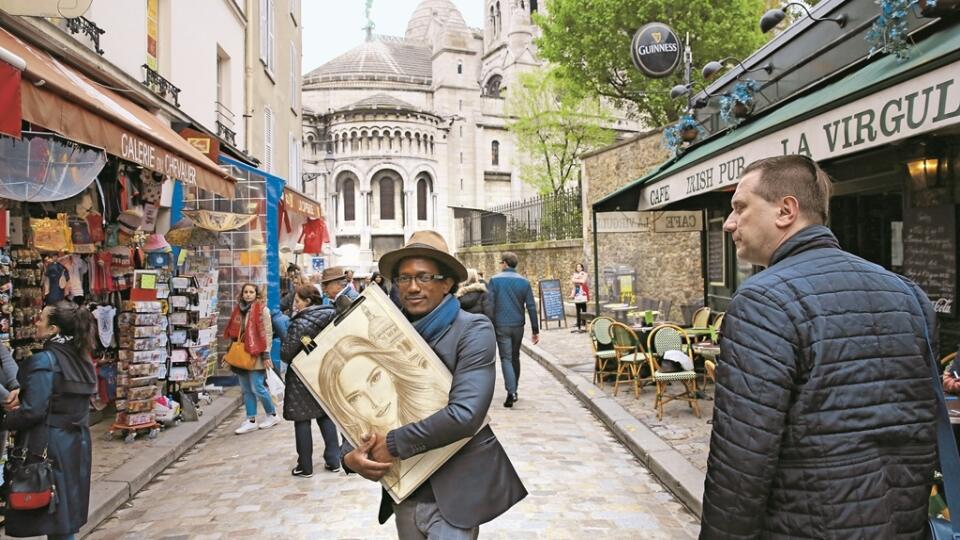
<point>743,92</point>
<point>889,31</point>
<point>673,134</point>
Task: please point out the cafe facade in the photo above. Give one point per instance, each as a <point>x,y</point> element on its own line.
<point>886,129</point>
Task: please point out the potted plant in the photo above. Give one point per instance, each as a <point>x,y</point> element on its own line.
<point>685,130</point>
<point>739,103</point>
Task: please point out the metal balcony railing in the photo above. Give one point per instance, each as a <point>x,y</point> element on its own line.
<point>83,25</point>
<point>160,86</point>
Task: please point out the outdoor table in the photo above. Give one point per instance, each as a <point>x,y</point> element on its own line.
<point>707,350</point>
<point>620,311</point>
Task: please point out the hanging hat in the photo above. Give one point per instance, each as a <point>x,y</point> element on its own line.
<point>426,244</point>
<point>156,242</point>
<point>130,220</point>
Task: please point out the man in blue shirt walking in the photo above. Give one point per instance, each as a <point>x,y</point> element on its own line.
<point>510,293</point>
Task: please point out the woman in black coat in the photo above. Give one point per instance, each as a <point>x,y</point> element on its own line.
<point>299,406</point>
<point>52,417</point>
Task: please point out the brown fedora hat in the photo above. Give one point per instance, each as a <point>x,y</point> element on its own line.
<point>426,244</point>
<point>332,274</point>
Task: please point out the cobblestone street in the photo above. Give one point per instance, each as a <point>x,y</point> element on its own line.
<point>582,484</point>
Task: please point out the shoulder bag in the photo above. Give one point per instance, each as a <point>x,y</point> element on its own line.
<point>30,484</point>
<point>941,529</point>
<point>237,356</point>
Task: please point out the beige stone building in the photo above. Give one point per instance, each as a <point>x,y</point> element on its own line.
<point>414,126</point>
<point>272,109</point>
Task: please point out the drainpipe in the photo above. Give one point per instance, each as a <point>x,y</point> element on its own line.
<point>596,267</point>
<point>248,78</point>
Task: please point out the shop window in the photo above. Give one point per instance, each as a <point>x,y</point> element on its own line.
<point>387,203</point>
<point>495,153</point>
<point>349,204</point>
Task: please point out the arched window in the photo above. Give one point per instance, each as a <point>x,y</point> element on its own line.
<point>423,190</point>
<point>459,67</point>
<point>387,210</point>
<point>499,24</point>
<point>349,205</point>
<point>492,88</point>
<point>493,22</point>
<point>495,153</point>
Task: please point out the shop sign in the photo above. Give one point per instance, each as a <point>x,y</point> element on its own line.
<point>156,159</point>
<point>920,104</point>
<point>298,203</point>
<point>206,144</point>
<point>659,222</point>
<point>655,50</point>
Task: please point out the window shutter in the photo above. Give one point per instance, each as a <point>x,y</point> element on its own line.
<point>264,32</point>
<point>293,76</point>
<point>268,139</point>
<point>272,25</point>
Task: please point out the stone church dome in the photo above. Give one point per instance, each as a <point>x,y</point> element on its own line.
<point>383,58</point>
<point>443,10</point>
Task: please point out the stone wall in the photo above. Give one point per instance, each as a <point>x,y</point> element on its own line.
<point>667,265</point>
<point>538,260</point>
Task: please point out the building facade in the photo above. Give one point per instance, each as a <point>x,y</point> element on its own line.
<point>400,132</point>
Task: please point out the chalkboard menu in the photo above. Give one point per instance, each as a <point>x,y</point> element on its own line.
<point>930,253</point>
<point>715,262</point>
<point>551,300</point>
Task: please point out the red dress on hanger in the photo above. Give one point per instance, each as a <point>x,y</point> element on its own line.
<point>314,235</point>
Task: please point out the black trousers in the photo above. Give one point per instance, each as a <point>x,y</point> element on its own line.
<point>304,437</point>
<point>581,308</point>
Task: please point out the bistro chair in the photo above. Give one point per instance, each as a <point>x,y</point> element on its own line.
<point>630,356</point>
<point>687,311</point>
<point>709,371</point>
<point>945,361</point>
<point>603,353</point>
<point>669,337</point>
<point>664,309</point>
<point>700,318</point>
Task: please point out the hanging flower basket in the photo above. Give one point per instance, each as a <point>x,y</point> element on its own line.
<point>939,8</point>
<point>889,33</point>
<point>739,103</point>
<point>685,131</point>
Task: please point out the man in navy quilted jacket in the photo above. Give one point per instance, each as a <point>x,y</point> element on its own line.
<point>824,419</point>
<point>509,293</point>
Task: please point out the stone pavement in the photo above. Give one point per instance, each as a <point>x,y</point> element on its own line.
<point>680,428</point>
<point>582,484</point>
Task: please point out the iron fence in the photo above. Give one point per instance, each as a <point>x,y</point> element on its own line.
<point>545,217</point>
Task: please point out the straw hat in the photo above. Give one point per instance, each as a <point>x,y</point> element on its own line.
<point>426,244</point>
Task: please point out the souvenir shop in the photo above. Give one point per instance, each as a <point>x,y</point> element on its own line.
<point>303,232</point>
<point>86,184</point>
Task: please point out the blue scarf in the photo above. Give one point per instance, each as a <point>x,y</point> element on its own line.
<point>433,324</point>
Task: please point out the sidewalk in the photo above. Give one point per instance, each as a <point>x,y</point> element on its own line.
<point>674,449</point>
<point>121,469</point>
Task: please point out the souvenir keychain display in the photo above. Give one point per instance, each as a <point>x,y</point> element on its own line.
<point>26,298</point>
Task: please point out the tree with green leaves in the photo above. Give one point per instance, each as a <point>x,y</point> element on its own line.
<point>589,41</point>
<point>554,123</point>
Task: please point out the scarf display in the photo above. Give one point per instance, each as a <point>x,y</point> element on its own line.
<point>435,323</point>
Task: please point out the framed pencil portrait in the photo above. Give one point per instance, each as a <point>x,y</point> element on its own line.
<point>372,372</point>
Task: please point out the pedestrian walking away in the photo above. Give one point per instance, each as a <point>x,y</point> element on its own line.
<point>473,296</point>
<point>51,419</point>
<point>442,508</point>
<point>299,406</point>
<point>824,419</point>
<point>509,294</point>
<point>251,327</point>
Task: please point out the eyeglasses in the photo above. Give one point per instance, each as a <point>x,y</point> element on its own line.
<point>422,279</point>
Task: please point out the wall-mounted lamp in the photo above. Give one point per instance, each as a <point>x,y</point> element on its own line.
<point>713,67</point>
<point>924,172</point>
<point>774,16</point>
<point>681,90</point>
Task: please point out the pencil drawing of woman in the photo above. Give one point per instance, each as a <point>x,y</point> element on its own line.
<point>373,390</point>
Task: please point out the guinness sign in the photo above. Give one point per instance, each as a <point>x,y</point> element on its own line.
<point>656,50</point>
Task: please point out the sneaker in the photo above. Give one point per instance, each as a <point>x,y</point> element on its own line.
<point>269,422</point>
<point>297,471</point>
<point>332,468</point>
<point>246,427</point>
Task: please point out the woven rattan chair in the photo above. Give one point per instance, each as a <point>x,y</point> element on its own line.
<point>701,318</point>
<point>604,357</point>
<point>668,337</point>
<point>630,356</point>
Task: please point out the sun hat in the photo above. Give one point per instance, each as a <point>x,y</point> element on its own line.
<point>332,274</point>
<point>426,244</point>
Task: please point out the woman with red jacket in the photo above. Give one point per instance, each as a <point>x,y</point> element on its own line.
<point>252,316</point>
<point>579,292</point>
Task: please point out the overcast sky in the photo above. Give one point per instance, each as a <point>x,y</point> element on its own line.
<point>333,27</point>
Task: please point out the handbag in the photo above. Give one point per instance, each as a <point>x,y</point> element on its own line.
<point>237,356</point>
<point>941,529</point>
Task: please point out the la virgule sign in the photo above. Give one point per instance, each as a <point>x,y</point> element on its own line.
<point>921,104</point>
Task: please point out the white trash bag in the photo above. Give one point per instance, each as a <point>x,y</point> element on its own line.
<point>275,386</point>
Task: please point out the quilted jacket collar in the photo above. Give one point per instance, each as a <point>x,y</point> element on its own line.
<point>812,237</point>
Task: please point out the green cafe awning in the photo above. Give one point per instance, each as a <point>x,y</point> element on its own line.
<point>882,102</point>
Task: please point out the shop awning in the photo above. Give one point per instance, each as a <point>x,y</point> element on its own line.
<point>9,98</point>
<point>74,106</point>
<point>882,102</point>
<point>298,203</point>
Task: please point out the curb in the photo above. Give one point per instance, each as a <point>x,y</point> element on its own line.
<point>110,492</point>
<point>673,470</point>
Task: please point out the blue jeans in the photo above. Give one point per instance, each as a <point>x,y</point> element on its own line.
<point>254,385</point>
<point>508,343</point>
